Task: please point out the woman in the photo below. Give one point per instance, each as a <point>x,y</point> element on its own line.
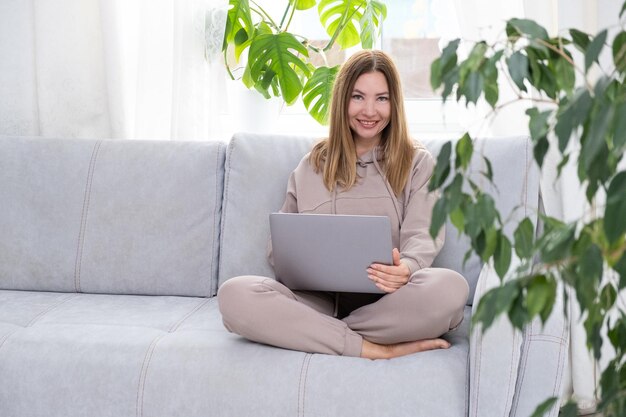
<point>368,165</point>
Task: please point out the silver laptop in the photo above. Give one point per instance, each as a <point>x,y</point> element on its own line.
<point>329,252</point>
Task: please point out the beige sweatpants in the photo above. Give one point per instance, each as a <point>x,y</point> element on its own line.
<point>264,310</point>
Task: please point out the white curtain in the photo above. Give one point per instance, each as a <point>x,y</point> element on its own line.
<point>131,69</point>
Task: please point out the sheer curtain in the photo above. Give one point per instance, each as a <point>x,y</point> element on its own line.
<point>131,69</point>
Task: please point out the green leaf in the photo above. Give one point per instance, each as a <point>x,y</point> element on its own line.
<point>454,193</point>
<point>458,218</point>
<point>589,273</point>
<point>518,315</point>
<point>238,18</point>
<point>303,4</point>
<point>556,244</point>
<point>569,410</point>
<point>438,217</point>
<point>544,407</point>
<point>442,167</point>
<point>502,256</point>
<point>565,76</point>
<point>490,75</point>
<point>581,39</point>
<point>486,208</point>
<point>518,65</point>
<point>615,211</point>
<point>527,27</point>
<point>486,243</point>
<point>442,66</point>
<point>494,302</point>
<point>593,52</point>
<point>620,268</point>
<point>464,150</point>
<point>571,114</point>
<point>621,12</point>
<point>540,150</point>
<point>595,139</point>
<point>608,295</point>
<point>340,19</point>
<point>617,335</point>
<point>489,173</point>
<point>317,93</point>
<point>476,56</point>
<point>619,51</point>
<point>524,238</point>
<point>538,123</point>
<point>539,292</point>
<point>271,55</point>
<point>371,22</point>
<point>472,87</point>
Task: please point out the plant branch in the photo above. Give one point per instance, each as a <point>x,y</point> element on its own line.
<point>282,19</point>
<point>230,74</point>
<point>293,10</point>
<point>261,12</point>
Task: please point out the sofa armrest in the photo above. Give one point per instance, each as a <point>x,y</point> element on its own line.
<point>513,371</point>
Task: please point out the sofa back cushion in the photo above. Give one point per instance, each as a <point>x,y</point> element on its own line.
<point>258,167</point>
<point>256,172</point>
<point>120,217</point>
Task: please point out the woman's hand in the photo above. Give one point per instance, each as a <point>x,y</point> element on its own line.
<point>389,277</point>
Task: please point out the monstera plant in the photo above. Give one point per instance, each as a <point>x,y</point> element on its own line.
<point>585,123</point>
<point>279,62</point>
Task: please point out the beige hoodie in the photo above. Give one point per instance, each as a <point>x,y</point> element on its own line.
<point>410,213</point>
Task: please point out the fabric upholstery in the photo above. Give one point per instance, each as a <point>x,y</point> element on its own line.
<point>120,355</point>
<point>122,217</point>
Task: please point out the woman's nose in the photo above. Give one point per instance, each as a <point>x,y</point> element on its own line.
<point>369,109</point>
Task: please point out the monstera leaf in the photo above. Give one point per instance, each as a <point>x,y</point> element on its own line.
<point>318,91</point>
<point>271,57</point>
<point>239,26</point>
<point>303,4</point>
<point>340,18</point>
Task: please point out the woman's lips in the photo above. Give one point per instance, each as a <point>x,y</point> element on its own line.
<point>368,123</point>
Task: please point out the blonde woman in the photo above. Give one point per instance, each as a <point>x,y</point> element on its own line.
<point>368,165</point>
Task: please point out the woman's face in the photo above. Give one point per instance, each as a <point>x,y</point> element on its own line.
<point>369,108</point>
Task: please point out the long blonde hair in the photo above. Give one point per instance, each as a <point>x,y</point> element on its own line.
<point>336,156</point>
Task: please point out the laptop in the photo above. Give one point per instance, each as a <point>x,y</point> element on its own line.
<point>328,252</point>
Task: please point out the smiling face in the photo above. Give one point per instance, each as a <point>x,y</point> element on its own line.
<point>369,109</point>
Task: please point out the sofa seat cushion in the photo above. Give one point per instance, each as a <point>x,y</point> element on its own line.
<point>111,355</point>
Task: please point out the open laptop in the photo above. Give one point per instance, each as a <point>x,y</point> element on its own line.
<point>324,252</point>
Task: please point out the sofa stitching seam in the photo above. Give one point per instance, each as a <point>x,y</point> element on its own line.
<point>522,371</point>
<point>302,384</point>
<point>509,398</point>
<point>143,374</point>
<point>177,325</point>
<point>49,309</point>
<point>6,337</point>
<point>84,214</point>
<point>478,358</point>
<point>559,363</point>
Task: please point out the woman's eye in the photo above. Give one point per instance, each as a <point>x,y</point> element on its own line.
<point>357,97</point>
<point>383,98</point>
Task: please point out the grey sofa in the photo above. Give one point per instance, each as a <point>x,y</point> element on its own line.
<point>111,253</point>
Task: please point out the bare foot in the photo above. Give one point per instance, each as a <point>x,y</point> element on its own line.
<point>371,350</point>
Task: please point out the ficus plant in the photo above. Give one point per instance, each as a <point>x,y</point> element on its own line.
<point>279,61</point>
<point>586,122</point>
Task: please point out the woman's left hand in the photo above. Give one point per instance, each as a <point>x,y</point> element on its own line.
<point>389,277</point>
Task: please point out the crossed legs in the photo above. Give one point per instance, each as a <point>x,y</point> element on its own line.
<point>406,321</point>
